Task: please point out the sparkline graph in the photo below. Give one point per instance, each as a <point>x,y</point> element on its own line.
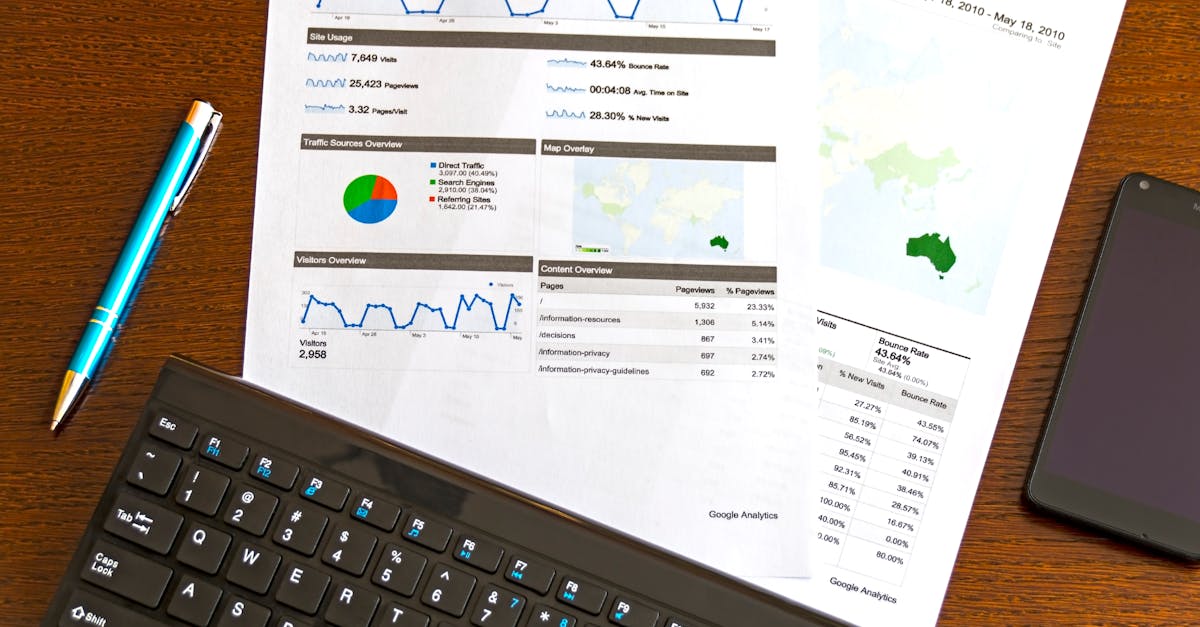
<point>450,324</point>
<point>324,108</point>
<point>722,11</point>
<point>564,89</point>
<point>340,57</point>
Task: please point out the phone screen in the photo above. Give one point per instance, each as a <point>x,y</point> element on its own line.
<point>1126,419</point>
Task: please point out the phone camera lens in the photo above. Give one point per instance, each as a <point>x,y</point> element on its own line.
<point>1144,185</point>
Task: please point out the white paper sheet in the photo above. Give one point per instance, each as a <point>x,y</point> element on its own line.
<point>566,245</point>
<point>950,133</point>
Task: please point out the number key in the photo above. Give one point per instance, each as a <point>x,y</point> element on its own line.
<point>546,616</point>
<point>300,529</point>
<point>497,607</point>
<point>399,570</point>
<point>349,549</point>
<point>250,510</point>
<point>448,590</point>
<point>202,490</point>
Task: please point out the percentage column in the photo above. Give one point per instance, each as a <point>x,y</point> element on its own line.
<point>851,426</point>
<point>891,392</point>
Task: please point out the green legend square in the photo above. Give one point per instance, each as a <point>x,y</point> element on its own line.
<point>433,181</point>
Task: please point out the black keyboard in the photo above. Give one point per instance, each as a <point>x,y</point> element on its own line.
<point>231,506</point>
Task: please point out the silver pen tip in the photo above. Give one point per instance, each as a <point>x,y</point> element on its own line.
<point>68,397</point>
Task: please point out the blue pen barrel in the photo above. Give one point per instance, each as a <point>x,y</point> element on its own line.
<point>139,248</point>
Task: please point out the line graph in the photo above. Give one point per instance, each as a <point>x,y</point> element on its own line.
<point>564,89</point>
<point>324,108</point>
<point>321,57</point>
<point>563,114</point>
<point>722,11</point>
<point>323,82</point>
<point>564,62</point>
<point>448,324</point>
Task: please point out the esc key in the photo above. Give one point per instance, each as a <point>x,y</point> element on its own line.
<point>174,431</point>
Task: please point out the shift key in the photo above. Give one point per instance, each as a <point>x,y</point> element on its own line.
<point>125,573</point>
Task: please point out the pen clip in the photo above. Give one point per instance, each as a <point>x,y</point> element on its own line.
<point>211,129</point>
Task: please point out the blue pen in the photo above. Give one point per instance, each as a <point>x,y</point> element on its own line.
<point>175,178</point>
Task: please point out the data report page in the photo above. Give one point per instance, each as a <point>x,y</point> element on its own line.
<point>949,134</point>
<point>564,244</point>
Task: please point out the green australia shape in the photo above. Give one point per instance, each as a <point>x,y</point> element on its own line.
<point>719,241</point>
<point>933,248</point>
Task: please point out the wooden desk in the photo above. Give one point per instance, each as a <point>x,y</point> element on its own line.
<point>91,95</point>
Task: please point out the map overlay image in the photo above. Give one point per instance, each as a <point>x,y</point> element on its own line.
<point>901,150</point>
<point>659,208</point>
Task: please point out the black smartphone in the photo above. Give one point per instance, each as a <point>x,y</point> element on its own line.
<point>1120,450</point>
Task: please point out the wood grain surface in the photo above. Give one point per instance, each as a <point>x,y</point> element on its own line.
<point>91,94</point>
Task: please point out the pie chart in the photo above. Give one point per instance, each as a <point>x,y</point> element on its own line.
<point>370,198</point>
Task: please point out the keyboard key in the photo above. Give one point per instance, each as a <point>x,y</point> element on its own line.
<point>532,575</point>
<point>396,615</point>
<point>302,588</point>
<point>243,613</point>
<point>250,510</point>
<point>85,609</point>
<point>325,492</point>
<point>351,606</point>
<point>376,512</point>
<point>479,553</point>
<point>582,595</point>
<point>448,590</point>
<point>202,490</point>
<point>430,534</point>
<point>350,549</point>
<point>154,469</point>
<point>675,622</point>
<point>300,529</point>
<point>546,616</point>
<point>194,601</point>
<point>174,431</point>
<point>253,567</point>
<point>143,523</point>
<point>226,452</point>
<point>497,607</point>
<point>631,614</point>
<point>275,471</point>
<point>126,573</point>
<point>203,548</point>
<point>399,570</point>
<point>288,621</point>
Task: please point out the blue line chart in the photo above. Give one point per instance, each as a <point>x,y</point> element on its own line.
<point>324,108</point>
<point>514,13</point>
<point>448,325</point>
<point>321,57</point>
<point>321,82</point>
<point>731,13</point>
<point>566,115</point>
<point>564,62</point>
<point>565,89</point>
